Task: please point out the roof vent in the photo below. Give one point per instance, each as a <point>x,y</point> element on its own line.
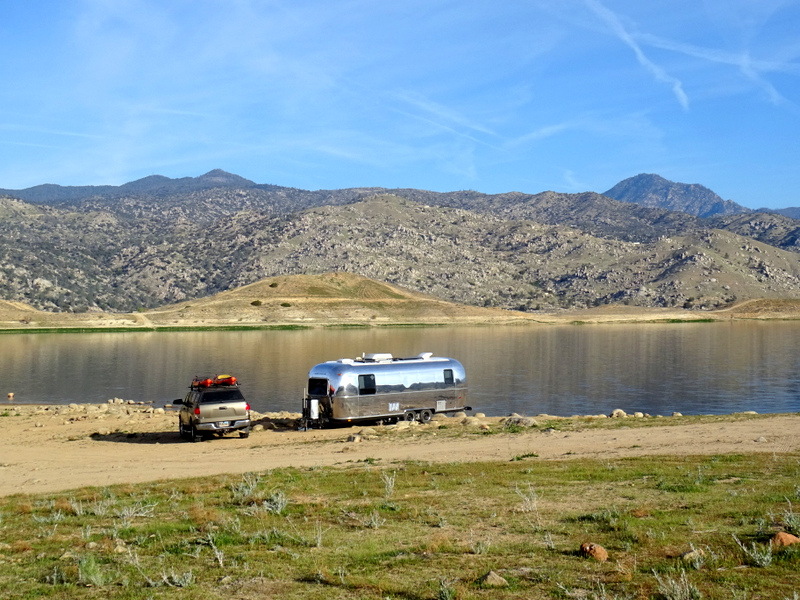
<point>425,355</point>
<point>378,357</point>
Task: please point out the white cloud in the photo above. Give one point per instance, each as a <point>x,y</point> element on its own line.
<point>615,24</point>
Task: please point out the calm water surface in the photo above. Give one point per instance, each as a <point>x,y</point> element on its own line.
<point>707,368</point>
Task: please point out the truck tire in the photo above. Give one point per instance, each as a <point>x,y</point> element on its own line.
<point>195,435</point>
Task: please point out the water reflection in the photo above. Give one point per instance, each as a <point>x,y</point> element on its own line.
<point>563,370</point>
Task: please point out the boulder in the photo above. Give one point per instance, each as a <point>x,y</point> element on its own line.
<point>693,556</point>
<point>492,579</point>
<point>594,551</point>
<point>783,539</point>
<point>618,413</point>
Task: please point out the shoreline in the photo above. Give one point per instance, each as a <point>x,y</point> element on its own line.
<point>549,319</point>
<point>57,448</point>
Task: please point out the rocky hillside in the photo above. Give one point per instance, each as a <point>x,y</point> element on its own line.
<point>159,241</point>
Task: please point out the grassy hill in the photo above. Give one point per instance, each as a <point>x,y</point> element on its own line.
<point>345,299</point>
<point>329,299</point>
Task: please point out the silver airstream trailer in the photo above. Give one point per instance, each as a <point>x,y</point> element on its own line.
<point>380,387</point>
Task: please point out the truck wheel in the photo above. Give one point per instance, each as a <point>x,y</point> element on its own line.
<point>425,416</point>
<point>410,416</point>
<point>181,432</point>
<point>244,434</point>
<point>195,435</point>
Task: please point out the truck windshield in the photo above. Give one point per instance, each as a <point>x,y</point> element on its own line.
<point>216,396</point>
<point>317,386</point>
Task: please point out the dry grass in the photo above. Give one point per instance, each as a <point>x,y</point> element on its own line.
<point>417,531</point>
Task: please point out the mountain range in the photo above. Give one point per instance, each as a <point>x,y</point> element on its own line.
<point>646,241</point>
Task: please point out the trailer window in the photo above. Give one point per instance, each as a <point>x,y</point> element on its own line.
<point>366,384</point>
<point>448,376</point>
<point>317,386</point>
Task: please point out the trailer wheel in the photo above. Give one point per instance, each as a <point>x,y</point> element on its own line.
<point>410,416</point>
<point>425,416</point>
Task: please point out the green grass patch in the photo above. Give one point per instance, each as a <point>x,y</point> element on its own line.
<point>373,529</point>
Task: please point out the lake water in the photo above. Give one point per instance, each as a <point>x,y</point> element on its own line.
<point>706,368</point>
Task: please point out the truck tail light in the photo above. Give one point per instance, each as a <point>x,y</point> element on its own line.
<point>247,407</point>
<point>197,410</point>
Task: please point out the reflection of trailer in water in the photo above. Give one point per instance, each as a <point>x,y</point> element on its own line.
<point>380,387</point>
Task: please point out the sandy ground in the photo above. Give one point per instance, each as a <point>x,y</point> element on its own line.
<point>55,449</point>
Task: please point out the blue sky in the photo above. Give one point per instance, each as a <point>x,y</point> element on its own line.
<point>517,95</point>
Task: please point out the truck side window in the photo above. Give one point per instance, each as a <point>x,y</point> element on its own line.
<point>366,384</point>
<point>448,376</point>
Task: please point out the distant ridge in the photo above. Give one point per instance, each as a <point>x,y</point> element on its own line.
<point>647,189</point>
<point>151,185</point>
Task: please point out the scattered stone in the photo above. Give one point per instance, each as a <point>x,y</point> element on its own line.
<point>693,556</point>
<point>783,539</point>
<point>618,413</point>
<point>460,415</point>
<point>481,415</point>
<point>492,579</point>
<point>368,432</point>
<point>761,440</point>
<point>356,438</point>
<point>594,551</point>
<point>258,427</point>
<point>677,414</point>
<point>516,420</point>
<point>471,422</point>
<point>638,415</point>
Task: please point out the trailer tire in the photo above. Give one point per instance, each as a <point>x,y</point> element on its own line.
<point>425,415</point>
<point>410,416</point>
